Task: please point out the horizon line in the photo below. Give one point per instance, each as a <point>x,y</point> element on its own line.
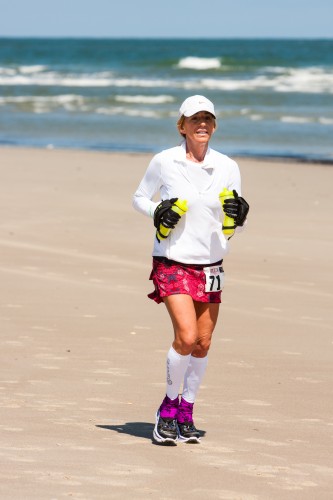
<point>139,37</point>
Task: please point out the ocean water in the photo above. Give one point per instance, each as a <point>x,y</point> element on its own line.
<point>273,97</point>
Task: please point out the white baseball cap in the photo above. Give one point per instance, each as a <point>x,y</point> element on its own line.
<point>194,104</point>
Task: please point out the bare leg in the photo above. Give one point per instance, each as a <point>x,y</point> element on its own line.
<point>207,315</point>
<point>184,319</point>
<point>193,324</point>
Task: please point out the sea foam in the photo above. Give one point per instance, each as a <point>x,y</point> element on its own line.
<point>45,104</point>
<point>199,63</point>
<point>35,68</point>
<point>295,119</point>
<point>119,110</point>
<point>311,80</point>
<point>144,99</point>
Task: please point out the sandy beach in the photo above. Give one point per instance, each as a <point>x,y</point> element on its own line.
<point>83,349</point>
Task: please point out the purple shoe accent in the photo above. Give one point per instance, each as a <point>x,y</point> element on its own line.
<point>185,412</point>
<point>169,407</point>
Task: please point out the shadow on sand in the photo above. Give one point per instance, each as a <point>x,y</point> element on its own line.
<point>137,429</point>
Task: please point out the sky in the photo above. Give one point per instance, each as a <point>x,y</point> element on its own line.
<point>167,19</point>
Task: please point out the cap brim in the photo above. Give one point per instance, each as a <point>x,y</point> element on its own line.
<point>195,111</point>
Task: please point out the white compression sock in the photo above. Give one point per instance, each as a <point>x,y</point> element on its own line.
<point>193,377</point>
<point>176,368</point>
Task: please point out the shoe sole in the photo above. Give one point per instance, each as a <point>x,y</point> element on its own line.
<point>183,439</point>
<point>161,440</point>
<point>189,440</point>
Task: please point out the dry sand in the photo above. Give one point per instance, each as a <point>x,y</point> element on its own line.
<point>83,350</point>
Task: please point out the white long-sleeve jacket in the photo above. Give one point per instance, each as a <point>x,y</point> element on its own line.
<point>197,237</point>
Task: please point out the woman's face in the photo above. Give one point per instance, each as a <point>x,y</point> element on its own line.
<point>198,128</point>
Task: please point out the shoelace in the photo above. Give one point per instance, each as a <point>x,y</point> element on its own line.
<point>189,426</point>
<point>168,423</point>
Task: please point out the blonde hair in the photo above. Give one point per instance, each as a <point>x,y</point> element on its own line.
<point>180,123</point>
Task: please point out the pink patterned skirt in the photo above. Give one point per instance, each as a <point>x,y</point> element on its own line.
<point>171,278</point>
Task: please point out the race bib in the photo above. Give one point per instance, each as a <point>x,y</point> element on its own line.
<point>214,278</point>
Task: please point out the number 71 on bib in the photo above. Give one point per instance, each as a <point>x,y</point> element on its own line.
<point>214,278</point>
